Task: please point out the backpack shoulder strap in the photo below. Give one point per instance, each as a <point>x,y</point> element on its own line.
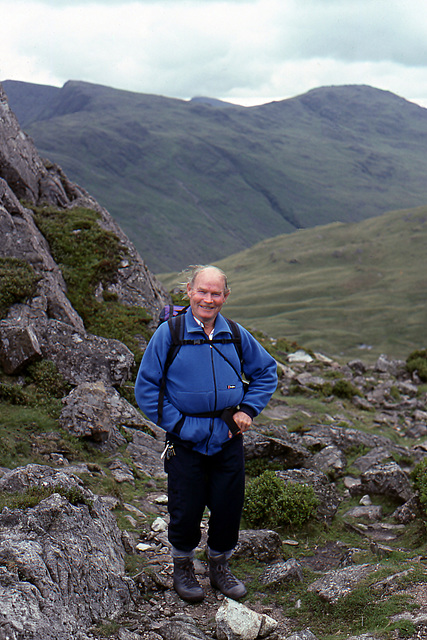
<point>234,328</point>
<point>176,327</point>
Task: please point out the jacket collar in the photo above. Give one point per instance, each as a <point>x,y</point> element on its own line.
<point>221,325</point>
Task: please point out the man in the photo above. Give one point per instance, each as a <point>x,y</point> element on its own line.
<point>204,460</point>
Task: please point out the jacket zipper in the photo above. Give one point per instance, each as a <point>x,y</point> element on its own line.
<point>211,426</point>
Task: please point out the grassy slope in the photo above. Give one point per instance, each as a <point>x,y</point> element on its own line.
<point>337,287</point>
<point>191,179</point>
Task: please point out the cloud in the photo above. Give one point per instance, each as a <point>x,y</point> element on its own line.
<point>221,48</point>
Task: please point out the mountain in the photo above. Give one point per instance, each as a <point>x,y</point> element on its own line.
<point>346,289</point>
<point>334,515</point>
<point>198,181</point>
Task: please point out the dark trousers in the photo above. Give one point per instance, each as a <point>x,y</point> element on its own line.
<point>196,481</point>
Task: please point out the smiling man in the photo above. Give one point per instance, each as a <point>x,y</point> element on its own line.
<point>204,456</point>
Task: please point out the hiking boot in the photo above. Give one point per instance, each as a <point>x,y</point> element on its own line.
<point>221,578</point>
<point>185,582</point>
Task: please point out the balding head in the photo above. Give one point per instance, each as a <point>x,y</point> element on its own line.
<point>211,271</point>
<point>207,290</point>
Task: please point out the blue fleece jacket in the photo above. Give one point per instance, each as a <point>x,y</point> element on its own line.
<point>199,380</point>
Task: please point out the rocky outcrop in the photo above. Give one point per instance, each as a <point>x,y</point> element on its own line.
<point>47,326</point>
<point>61,560</point>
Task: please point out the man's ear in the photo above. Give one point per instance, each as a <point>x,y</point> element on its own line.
<point>188,288</point>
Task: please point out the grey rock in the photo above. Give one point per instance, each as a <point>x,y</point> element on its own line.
<point>79,356</point>
<point>393,367</point>
<point>370,459</point>
<point>379,531</point>
<point>306,379</point>
<point>338,583</point>
<point>371,513</point>
<point>357,366</point>
<point>347,440</point>
<point>95,411</point>
<point>145,451</point>
<point>19,347</point>
<point>387,479</point>
<point>362,403</point>
<point>407,512</point>
<point>121,472</point>
<point>281,572</point>
<point>181,628</point>
<point>281,448</point>
<point>306,634</point>
<point>82,357</point>
<point>331,460</point>
<point>416,430</point>
<point>22,240</point>
<point>33,475</point>
<point>235,621</point>
<point>353,485</point>
<point>263,544</point>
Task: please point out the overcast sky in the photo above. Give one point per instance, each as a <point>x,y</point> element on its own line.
<point>246,51</point>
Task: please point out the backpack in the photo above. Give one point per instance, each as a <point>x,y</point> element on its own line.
<point>174,315</point>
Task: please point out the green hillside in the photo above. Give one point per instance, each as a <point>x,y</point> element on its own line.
<point>206,179</point>
<point>350,290</point>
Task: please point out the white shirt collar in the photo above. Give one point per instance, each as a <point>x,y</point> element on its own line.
<point>200,323</point>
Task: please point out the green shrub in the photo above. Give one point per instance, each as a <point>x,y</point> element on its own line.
<point>13,393</point>
<point>270,502</point>
<point>344,389</point>
<point>417,361</point>
<point>419,478</point>
<point>18,282</point>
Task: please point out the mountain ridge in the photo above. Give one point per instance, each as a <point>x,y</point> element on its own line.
<point>343,288</point>
<point>190,178</point>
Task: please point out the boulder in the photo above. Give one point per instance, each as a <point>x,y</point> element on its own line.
<point>281,448</point>
<point>82,357</point>
<point>95,411</point>
<point>281,572</point>
<point>19,347</point>
<point>387,479</point>
<point>235,621</point>
<point>340,582</point>
<point>330,460</point>
<point>262,544</point>
<point>62,562</point>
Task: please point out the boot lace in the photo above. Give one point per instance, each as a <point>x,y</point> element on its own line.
<point>225,575</point>
<point>188,574</point>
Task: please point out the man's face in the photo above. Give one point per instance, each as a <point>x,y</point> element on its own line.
<point>207,295</point>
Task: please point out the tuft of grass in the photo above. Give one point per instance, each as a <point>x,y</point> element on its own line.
<point>34,495</point>
<point>18,282</point>
<point>89,258</point>
<point>43,387</point>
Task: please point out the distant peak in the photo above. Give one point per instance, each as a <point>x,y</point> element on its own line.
<point>213,102</point>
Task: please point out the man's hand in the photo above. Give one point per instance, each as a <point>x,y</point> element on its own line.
<point>242,420</point>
